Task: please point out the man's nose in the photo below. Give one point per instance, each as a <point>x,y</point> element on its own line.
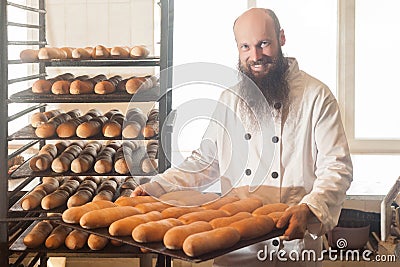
<point>255,54</point>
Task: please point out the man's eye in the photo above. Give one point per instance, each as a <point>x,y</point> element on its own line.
<point>244,47</point>
<point>264,44</point>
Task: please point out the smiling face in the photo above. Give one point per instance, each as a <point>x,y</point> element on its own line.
<point>258,42</point>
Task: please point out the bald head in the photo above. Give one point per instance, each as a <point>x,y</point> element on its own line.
<point>256,17</point>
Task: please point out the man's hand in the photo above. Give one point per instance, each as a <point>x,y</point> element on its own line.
<point>296,218</point>
<point>138,192</point>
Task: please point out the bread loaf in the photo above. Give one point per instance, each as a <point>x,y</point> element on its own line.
<point>57,237</point>
<point>149,163</point>
<point>226,221</point>
<point>44,86</point>
<point>104,161</point>
<point>152,125</point>
<point>38,234</point>
<point>79,198</point>
<point>87,86</point>
<point>253,227</point>
<point>209,241</point>
<point>147,207</point>
<point>176,212</point>
<point>91,128</point>
<point>125,226</point>
<point>33,199</point>
<point>82,53</point>
<point>100,52</point>
<point>133,201</point>
<point>37,119</point>
<point>76,239</point>
<point>247,205</point>
<point>29,55</point>
<point>154,231</point>
<point>74,214</point>
<point>120,52</point>
<point>86,158</point>
<point>129,150</point>
<point>205,215</point>
<point>135,121</point>
<point>139,51</point>
<point>67,51</point>
<point>51,53</point>
<point>174,237</point>
<point>104,195</point>
<point>105,217</point>
<point>48,129</point>
<point>62,87</point>
<point>269,208</point>
<point>96,242</point>
<point>68,128</point>
<point>107,86</point>
<point>133,85</point>
<point>63,162</point>
<point>55,199</point>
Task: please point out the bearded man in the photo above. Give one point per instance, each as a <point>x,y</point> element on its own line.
<point>277,136</point>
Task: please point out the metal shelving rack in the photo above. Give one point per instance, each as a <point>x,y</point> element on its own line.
<point>7,233</point>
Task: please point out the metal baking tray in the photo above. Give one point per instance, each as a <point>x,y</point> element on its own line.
<point>159,247</point>
<point>25,171</point>
<point>28,133</point>
<point>26,96</point>
<point>109,250</point>
<point>109,62</point>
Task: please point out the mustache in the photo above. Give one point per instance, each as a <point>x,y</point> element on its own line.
<point>262,61</point>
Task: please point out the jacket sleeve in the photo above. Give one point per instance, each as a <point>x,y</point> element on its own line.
<point>196,172</point>
<point>333,168</point>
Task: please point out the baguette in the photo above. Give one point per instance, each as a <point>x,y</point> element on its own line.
<point>133,201</point>
<point>269,208</point>
<point>63,162</point>
<point>67,51</point>
<point>135,121</point>
<point>55,199</point>
<point>81,197</point>
<point>57,237</point>
<point>96,242</point>
<point>51,53</point>
<point>49,186</point>
<point>226,221</point>
<point>104,161</point>
<point>129,150</point>
<point>174,237</point>
<point>104,195</point>
<point>220,202</point>
<point>76,239</point>
<point>133,85</point>
<point>113,127</point>
<point>152,125</point>
<point>139,51</point>
<point>120,52</point>
<point>37,236</point>
<point>253,227</point>
<point>176,212</point>
<point>86,158</point>
<point>33,199</point>
<point>87,86</point>
<point>40,162</point>
<point>105,217</point>
<point>74,214</point>
<point>44,86</point>
<point>100,52</point>
<point>125,226</point>
<point>154,231</point>
<point>62,87</point>
<point>248,205</point>
<point>68,128</point>
<point>92,127</point>
<point>107,86</point>
<point>48,129</point>
<point>82,53</point>
<point>149,164</point>
<point>29,55</point>
<point>205,215</point>
<point>206,242</point>
<point>147,207</point>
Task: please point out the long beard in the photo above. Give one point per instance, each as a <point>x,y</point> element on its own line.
<point>259,94</point>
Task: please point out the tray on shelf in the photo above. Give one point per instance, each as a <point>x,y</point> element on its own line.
<point>28,133</point>
<point>25,171</point>
<point>110,250</point>
<point>159,248</point>
<point>26,96</point>
<point>108,62</point>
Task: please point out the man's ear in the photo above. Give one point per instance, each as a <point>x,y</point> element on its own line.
<point>282,38</point>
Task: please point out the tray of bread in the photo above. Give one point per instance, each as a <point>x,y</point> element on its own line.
<point>95,125</point>
<point>80,158</point>
<point>56,194</point>
<point>191,232</point>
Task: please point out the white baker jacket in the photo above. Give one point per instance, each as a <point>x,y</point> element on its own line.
<point>298,154</point>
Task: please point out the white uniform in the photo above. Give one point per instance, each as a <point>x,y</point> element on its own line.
<point>301,156</point>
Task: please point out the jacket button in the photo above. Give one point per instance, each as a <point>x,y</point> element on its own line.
<point>275,242</point>
<point>247,136</point>
<point>274,175</point>
<point>248,172</point>
<point>275,139</point>
<point>277,105</point>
